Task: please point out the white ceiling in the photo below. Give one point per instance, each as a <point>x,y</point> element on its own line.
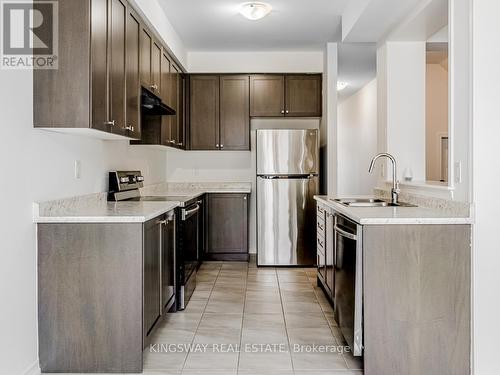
<point>371,20</point>
<point>216,25</point>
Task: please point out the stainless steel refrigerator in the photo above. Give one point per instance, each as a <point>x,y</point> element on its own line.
<point>287,180</point>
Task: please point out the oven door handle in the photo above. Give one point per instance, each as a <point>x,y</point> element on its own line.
<point>343,233</point>
<point>186,214</point>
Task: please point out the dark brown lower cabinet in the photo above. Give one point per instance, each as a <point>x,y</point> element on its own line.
<point>227,227</point>
<point>152,292</point>
<point>101,289</point>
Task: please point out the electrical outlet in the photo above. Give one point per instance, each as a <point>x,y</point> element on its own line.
<point>78,169</point>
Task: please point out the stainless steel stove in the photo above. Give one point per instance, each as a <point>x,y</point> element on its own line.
<point>125,185</point>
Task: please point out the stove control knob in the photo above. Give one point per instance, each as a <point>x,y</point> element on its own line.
<point>123,180</point>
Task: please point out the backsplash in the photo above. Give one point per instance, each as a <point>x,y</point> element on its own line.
<point>453,207</point>
<point>78,202</point>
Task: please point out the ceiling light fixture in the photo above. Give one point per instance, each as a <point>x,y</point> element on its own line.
<point>341,85</point>
<point>255,10</point>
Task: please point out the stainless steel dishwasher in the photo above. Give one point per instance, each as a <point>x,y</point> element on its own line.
<point>348,296</point>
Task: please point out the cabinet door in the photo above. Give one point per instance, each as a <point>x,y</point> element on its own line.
<point>146,47</point>
<point>174,100</point>
<point>330,252</point>
<point>168,261</point>
<point>181,119</point>
<point>99,69</point>
<point>117,73</point>
<point>321,245</point>
<point>234,113</point>
<point>133,97</point>
<point>204,112</point>
<point>303,95</point>
<point>166,121</point>
<point>227,223</point>
<point>267,95</point>
<point>152,249</point>
<point>156,53</point>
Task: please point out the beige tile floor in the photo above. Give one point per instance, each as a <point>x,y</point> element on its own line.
<point>240,305</point>
<point>244,308</point>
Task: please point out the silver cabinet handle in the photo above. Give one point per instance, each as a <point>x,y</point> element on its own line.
<point>287,111</point>
<point>221,146</point>
<point>187,213</point>
<point>161,222</point>
<point>129,128</point>
<point>110,123</point>
<point>283,111</point>
<point>343,233</point>
<point>245,198</point>
<point>154,87</point>
<point>180,144</point>
<point>216,145</point>
<point>173,142</point>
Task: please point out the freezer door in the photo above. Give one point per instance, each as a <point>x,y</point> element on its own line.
<point>287,152</point>
<point>286,221</point>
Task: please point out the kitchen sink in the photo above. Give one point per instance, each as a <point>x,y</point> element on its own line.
<point>369,202</point>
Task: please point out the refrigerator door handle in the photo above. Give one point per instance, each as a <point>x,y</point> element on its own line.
<point>291,176</point>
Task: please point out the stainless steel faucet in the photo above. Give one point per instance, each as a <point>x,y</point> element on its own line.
<point>395,183</point>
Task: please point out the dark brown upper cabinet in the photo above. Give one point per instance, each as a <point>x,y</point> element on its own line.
<point>151,56</point>
<point>146,45</point>
<point>133,98</point>
<point>89,88</point>
<point>165,84</point>
<point>181,109</point>
<point>267,95</point>
<point>204,112</point>
<point>156,56</point>
<point>234,113</point>
<point>219,112</point>
<point>117,73</point>
<point>278,95</point>
<point>303,95</point>
<point>227,227</point>
<point>174,101</point>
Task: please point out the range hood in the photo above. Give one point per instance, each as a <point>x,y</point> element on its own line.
<point>152,105</point>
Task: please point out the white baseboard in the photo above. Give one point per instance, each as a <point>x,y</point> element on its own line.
<point>33,369</point>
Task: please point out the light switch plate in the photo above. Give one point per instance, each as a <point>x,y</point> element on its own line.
<point>78,169</point>
<point>458,172</point>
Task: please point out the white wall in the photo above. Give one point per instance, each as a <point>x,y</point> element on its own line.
<point>401,74</point>
<point>39,165</point>
<point>486,179</point>
<point>255,62</point>
<point>357,141</point>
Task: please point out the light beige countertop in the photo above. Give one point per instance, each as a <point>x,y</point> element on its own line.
<point>106,212</point>
<point>95,208</point>
<point>394,215</point>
